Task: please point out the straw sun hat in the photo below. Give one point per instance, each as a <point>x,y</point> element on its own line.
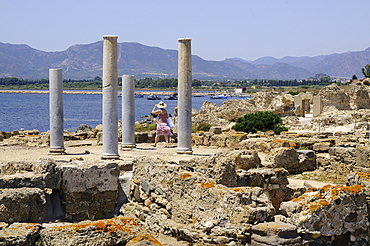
<point>161,105</point>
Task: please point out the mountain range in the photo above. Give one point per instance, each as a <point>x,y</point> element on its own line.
<point>84,61</point>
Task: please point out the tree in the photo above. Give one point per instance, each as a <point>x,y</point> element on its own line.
<point>97,78</point>
<point>260,121</point>
<point>366,71</point>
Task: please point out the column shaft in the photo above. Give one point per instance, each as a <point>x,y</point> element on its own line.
<point>184,97</point>
<point>56,112</point>
<point>128,112</point>
<point>110,98</point>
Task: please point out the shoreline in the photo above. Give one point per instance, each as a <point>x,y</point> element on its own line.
<point>93,92</point>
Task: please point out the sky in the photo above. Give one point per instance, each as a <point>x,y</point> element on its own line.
<point>219,29</point>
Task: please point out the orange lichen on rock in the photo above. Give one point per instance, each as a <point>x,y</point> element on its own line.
<point>208,184</point>
<point>185,176</point>
<point>320,199</point>
<point>317,204</point>
<point>236,189</point>
<point>362,175</point>
<point>108,225</point>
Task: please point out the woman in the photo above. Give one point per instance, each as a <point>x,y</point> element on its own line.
<point>162,127</point>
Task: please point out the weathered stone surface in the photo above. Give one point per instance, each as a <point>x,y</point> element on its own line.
<point>144,239</point>
<point>363,156</point>
<point>177,192</point>
<point>116,231</point>
<point>359,97</point>
<point>206,201</point>
<point>307,160</point>
<point>20,234</point>
<point>332,95</point>
<point>257,144</point>
<point>22,205</point>
<point>275,233</point>
<point>332,211</point>
<point>284,158</point>
<point>89,192</point>
<point>321,147</point>
<point>273,181</point>
<point>222,167</point>
<point>41,174</point>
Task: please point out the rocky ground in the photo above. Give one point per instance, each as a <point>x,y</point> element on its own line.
<point>307,186</point>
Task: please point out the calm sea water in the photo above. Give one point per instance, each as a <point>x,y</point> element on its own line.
<point>31,111</point>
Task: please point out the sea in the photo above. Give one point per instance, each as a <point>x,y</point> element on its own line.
<point>30,111</point>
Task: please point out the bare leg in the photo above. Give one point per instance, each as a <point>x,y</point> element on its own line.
<point>166,138</point>
<point>156,140</point>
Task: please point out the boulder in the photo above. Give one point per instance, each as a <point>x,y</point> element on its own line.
<point>20,234</point>
<point>89,192</point>
<point>336,215</point>
<point>284,158</point>
<point>22,205</point>
<point>273,181</point>
<point>332,95</point>
<point>115,231</point>
<point>275,233</point>
<point>307,160</point>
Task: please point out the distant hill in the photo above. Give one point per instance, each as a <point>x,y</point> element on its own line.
<point>85,62</point>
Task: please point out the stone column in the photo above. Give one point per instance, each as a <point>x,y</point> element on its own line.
<point>128,112</point>
<point>184,97</point>
<point>56,112</point>
<point>110,98</point>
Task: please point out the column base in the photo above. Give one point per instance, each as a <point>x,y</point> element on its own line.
<point>128,146</point>
<point>184,151</point>
<point>61,151</point>
<point>110,157</point>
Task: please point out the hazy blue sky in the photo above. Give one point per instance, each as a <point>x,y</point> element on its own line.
<point>219,29</point>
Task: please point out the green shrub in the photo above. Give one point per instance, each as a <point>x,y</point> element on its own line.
<point>201,127</point>
<point>260,121</point>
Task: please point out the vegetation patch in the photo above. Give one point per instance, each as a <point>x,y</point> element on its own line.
<point>260,121</point>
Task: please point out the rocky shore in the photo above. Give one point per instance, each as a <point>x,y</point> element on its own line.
<point>236,189</point>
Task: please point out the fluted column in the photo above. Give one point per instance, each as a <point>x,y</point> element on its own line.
<point>128,112</point>
<point>56,112</point>
<point>110,98</point>
<point>184,97</point>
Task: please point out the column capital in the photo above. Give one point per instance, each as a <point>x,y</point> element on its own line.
<point>184,39</point>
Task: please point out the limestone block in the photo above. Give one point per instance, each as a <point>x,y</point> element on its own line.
<point>274,181</point>
<point>41,174</point>
<point>89,192</point>
<point>189,195</point>
<point>218,140</point>
<point>197,138</point>
<point>22,205</point>
<point>284,157</point>
<point>363,156</point>
<point>221,167</point>
<point>208,203</point>
<point>207,138</point>
<point>21,234</point>
<point>307,160</point>
<point>321,147</point>
<point>141,137</point>
<point>331,211</point>
<point>144,239</point>
<point>234,138</point>
<point>245,159</point>
<point>116,231</point>
<point>275,233</point>
<point>215,130</point>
